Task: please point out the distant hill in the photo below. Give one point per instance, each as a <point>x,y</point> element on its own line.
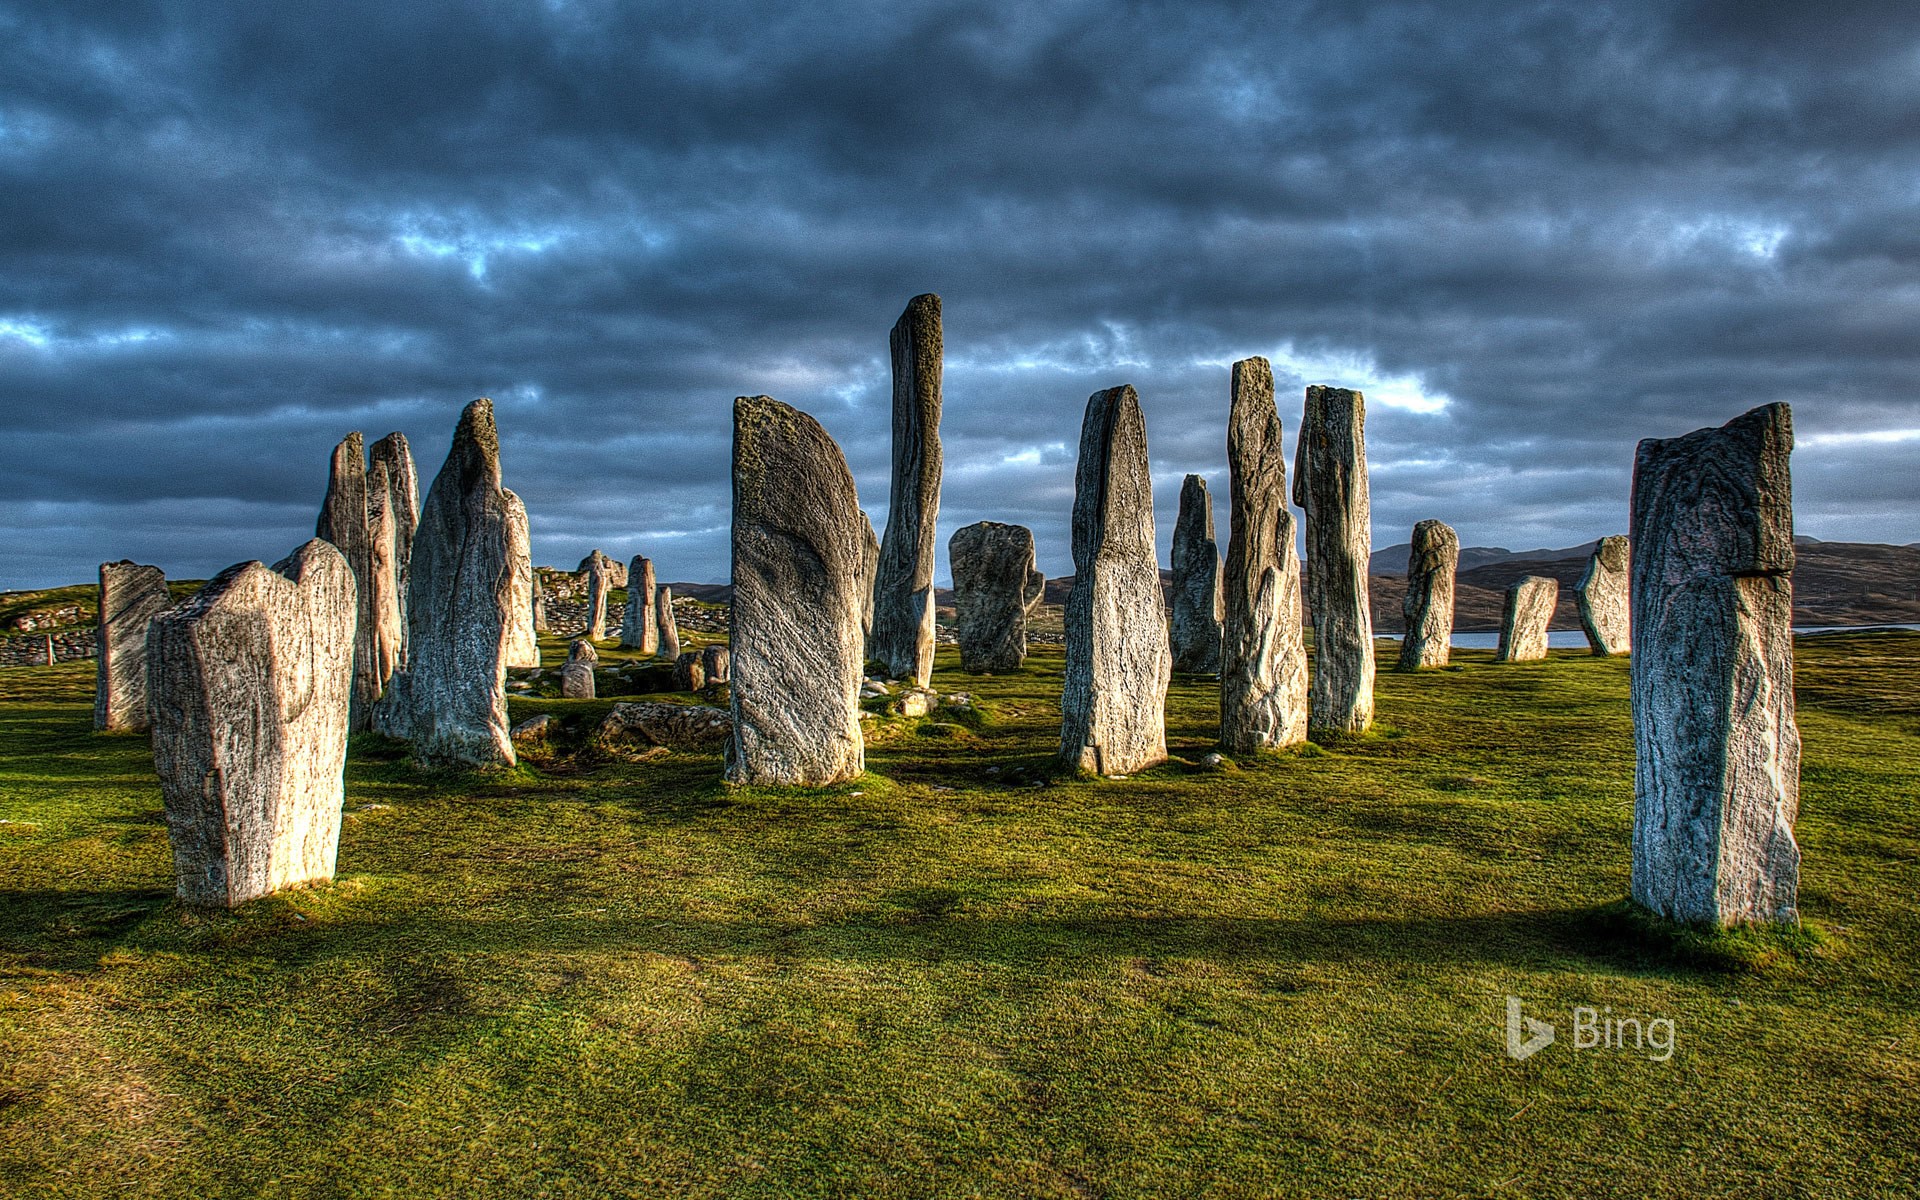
<point>1393,560</point>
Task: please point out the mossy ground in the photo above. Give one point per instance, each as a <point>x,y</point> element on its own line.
<point>596,977</point>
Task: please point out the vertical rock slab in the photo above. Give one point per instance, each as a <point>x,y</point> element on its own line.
<point>382,614</point>
<point>1523,623</point>
<point>1263,667</point>
<point>1197,599</point>
<point>599,570</point>
<point>523,640</point>
<point>717,661</point>
<point>1113,704</point>
<point>995,589</point>
<point>576,674</point>
<point>1330,483</point>
<point>669,649</point>
<point>639,624</point>
<point>1717,768</point>
<point>870,548</point>
<point>131,595</point>
<point>902,635</point>
<point>1601,597</point>
<point>798,556</point>
<point>403,505</point>
<point>1432,561</point>
<point>343,522</point>
<point>690,671</point>
<point>463,604</point>
<point>539,608</point>
<point>251,682</point>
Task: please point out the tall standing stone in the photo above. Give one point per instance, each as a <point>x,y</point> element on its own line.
<point>1263,668</point>
<point>639,624</point>
<point>995,589</point>
<point>870,566</point>
<point>797,564</point>
<point>669,649</point>
<point>1717,765</point>
<point>1113,704</point>
<point>382,614</point>
<point>1523,623</point>
<point>1433,559</point>
<point>1197,599</point>
<point>599,570</point>
<point>343,522</point>
<point>539,608</point>
<point>1330,483</point>
<point>251,682</point>
<point>1601,597</point>
<point>463,604</point>
<point>131,595</point>
<point>902,635</point>
<point>403,505</point>
<point>523,640</point>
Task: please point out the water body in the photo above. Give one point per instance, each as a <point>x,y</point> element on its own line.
<point>1573,639</point>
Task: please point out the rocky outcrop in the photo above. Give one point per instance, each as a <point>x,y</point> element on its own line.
<point>1263,670</point>
<point>1197,599</point>
<point>1330,483</point>
<point>1523,627</point>
<point>798,557</point>
<point>902,636</point>
<point>251,684</point>
<point>1717,749</point>
<point>669,637</point>
<point>1113,704</point>
<point>1601,596</point>
<point>576,674</point>
<point>1432,561</point>
<point>639,623</point>
<point>995,588</point>
<point>131,595</point>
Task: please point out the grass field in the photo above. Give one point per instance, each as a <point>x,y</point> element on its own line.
<point>593,976</point>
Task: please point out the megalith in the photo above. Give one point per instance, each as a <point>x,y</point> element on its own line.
<point>717,661</point>
<point>523,640</point>
<point>403,504</point>
<point>798,557</point>
<point>1523,623</point>
<point>1330,483</point>
<point>1263,661</point>
<point>1197,600</point>
<point>539,608</point>
<point>1717,763</point>
<point>1433,558</point>
<point>576,674</point>
<point>381,617</point>
<point>1113,704</point>
<point>639,625</point>
<point>690,671</point>
<point>599,571</point>
<point>1601,597</point>
<point>870,567</point>
<point>995,589</point>
<point>343,522</point>
<point>251,681</point>
<point>131,595</point>
<point>902,636</point>
<point>669,634</point>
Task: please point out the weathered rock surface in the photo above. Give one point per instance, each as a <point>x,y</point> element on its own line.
<point>599,569</point>
<point>916,702</point>
<point>689,671</point>
<point>537,728</point>
<point>1432,562</point>
<point>902,636</point>
<point>608,566</point>
<point>1263,668</point>
<point>576,674</point>
<point>392,456</point>
<point>343,522</point>
<point>870,549</point>
<point>669,648</point>
<point>639,624</point>
<point>1198,602</point>
<point>717,662</point>
<point>1523,627</point>
<point>386,636</point>
<point>539,608</point>
<point>1113,705</point>
<point>523,641</point>
<point>251,683</point>
<point>798,557</point>
<point>1601,596</point>
<point>131,595</point>
<point>1717,767</point>
<point>657,723</point>
<point>1330,483</point>
<point>995,589</point>
<point>462,606</point>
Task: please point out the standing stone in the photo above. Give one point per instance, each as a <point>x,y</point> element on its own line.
<point>1330,482</point>
<point>689,671</point>
<point>717,661</point>
<point>130,596</point>
<point>669,649</point>
<point>599,570</point>
<point>251,681</point>
<point>343,522</point>
<point>523,640</point>
<point>639,625</point>
<point>797,563</point>
<point>576,674</point>
<point>1601,597</point>
<point>1263,668</point>
<point>1197,600</point>
<point>1433,559</point>
<point>1717,768</point>
<point>902,636</point>
<point>539,608</point>
<point>1113,706</point>
<point>382,615</point>
<point>462,608</point>
<point>1523,625</point>
<point>995,589</point>
<point>870,566</point>
<point>403,505</point>
<point>610,567</point>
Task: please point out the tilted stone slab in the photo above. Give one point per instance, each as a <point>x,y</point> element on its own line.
<point>995,590</point>
<point>1602,597</point>
<point>1433,559</point>
<point>1197,595</point>
<point>131,595</point>
<point>1523,623</point>
<point>1330,483</point>
<point>902,636</point>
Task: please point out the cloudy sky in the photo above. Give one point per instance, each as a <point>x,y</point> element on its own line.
<point>1532,233</point>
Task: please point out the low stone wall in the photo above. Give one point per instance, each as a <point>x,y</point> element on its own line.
<point>30,649</point>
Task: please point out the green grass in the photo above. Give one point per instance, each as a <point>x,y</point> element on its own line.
<point>600,977</point>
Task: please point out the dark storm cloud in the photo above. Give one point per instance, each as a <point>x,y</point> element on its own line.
<point>1534,233</point>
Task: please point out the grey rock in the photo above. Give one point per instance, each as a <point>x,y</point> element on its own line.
<point>131,595</point>
<point>534,729</point>
<point>523,640</point>
<point>539,609</point>
<point>669,647</point>
<point>1717,764</point>
<point>1433,558</point>
<point>576,674</point>
<point>717,662</point>
<point>1330,483</point>
<point>1601,597</point>
<point>382,617</point>
<point>1113,704</point>
<point>251,683</point>
<point>1263,669</point>
<point>343,522</point>
<point>1523,624</point>
<point>599,571</point>
<point>995,589</point>
<point>656,723</point>
<point>394,457</point>
<point>1198,602</point>
<point>902,636</point>
<point>916,702</point>
<point>798,557</point>
<point>1218,762</point>
<point>639,623</point>
<point>870,550</point>
<point>689,671</point>
<point>610,567</point>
